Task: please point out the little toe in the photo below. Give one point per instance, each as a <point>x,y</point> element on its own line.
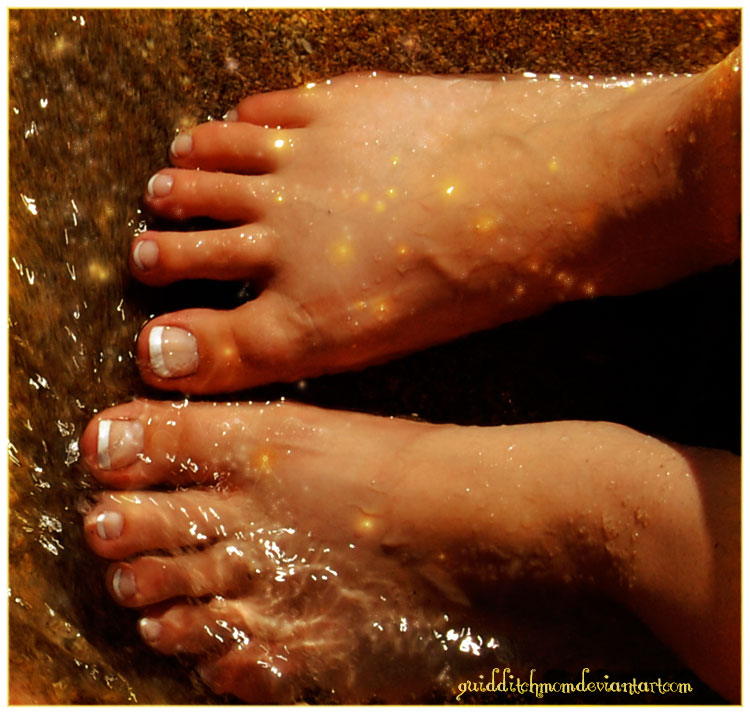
<point>257,672</point>
<point>243,253</point>
<point>204,351</point>
<point>286,108</point>
<point>239,147</point>
<point>121,524</point>
<point>222,569</point>
<point>180,194</point>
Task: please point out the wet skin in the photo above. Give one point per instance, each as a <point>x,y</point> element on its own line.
<point>302,538</point>
<point>390,213</point>
<point>447,206</point>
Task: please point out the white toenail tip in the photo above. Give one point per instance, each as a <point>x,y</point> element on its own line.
<point>155,351</point>
<point>182,145</point>
<point>137,250</point>
<point>100,526</point>
<point>231,115</point>
<point>102,444</point>
<point>150,629</point>
<point>123,578</point>
<point>150,187</point>
<point>146,254</point>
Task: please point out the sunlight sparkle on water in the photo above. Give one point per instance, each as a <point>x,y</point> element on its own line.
<point>30,204</point>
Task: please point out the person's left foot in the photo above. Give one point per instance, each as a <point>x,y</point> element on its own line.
<point>283,566</point>
<point>378,215</point>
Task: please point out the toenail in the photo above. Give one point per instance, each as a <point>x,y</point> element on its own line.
<point>109,525</point>
<point>182,145</point>
<point>160,185</point>
<point>150,629</point>
<point>123,583</point>
<point>173,351</point>
<point>231,115</point>
<point>146,254</point>
<point>118,443</point>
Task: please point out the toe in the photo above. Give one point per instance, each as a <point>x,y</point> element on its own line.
<point>256,672</point>
<point>180,194</point>
<point>115,445</point>
<point>121,524</point>
<point>239,147</point>
<point>209,351</point>
<point>143,443</point>
<point>187,628</point>
<point>225,568</point>
<point>238,655</point>
<point>160,258</point>
<point>288,109</point>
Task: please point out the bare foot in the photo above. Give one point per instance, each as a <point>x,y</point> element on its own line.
<point>382,214</point>
<point>302,552</point>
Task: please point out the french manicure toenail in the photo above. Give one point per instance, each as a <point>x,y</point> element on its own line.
<point>173,351</point>
<point>160,185</point>
<point>109,525</point>
<point>146,254</point>
<point>123,583</point>
<point>182,145</point>
<point>118,443</point>
<point>150,629</point>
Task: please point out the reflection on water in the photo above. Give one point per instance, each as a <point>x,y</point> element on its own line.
<point>79,163</point>
<point>95,98</point>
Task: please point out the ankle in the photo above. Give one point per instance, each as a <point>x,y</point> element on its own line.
<point>713,166</point>
<point>515,503</point>
<point>675,152</point>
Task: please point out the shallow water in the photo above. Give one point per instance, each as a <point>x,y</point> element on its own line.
<point>95,98</point>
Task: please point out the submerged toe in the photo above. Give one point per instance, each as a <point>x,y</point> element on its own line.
<point>121,524</point>
<point>224,569</point>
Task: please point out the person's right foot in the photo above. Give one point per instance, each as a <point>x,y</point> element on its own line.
<point>295,550</point>
<point>383,214</point>
<point>310,552</point>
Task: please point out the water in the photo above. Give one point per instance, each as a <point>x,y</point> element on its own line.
<point>95,98</point>
<point>76,178</point>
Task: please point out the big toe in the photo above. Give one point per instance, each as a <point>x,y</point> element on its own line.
<point>142,444</point>
<point>203,351</point>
